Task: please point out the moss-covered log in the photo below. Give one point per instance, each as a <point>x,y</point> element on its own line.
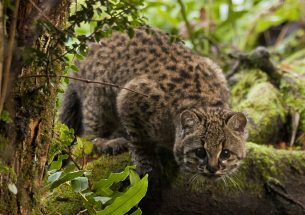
<point>269,181</point>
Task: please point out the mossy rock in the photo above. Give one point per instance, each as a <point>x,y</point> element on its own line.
<point>240,193</point>
<point>245,80</point>
<point>263,104</point>
<point>265,111</point>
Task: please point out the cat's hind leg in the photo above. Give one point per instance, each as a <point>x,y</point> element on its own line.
<point>101,123</point>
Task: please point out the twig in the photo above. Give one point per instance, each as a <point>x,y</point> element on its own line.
<point>294,126</point>
<point>81,212</point>
<point>10,55</point>
<point>282,35</point>
<point>187,23</point>
<point>234,69</point>
<point>86,81</point>
<point>70,155</point>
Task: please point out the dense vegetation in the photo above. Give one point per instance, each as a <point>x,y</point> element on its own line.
<point>266,83</point>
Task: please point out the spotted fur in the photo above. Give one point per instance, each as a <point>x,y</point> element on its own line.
<point>186,107</point>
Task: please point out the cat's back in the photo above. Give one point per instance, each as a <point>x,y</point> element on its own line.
<point>179,72</point>
<point>119,57</point>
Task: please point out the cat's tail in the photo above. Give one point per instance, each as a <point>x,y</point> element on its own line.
<point>71,110</point>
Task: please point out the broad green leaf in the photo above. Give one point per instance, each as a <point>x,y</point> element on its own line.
<point>67,177</point>
<point>79,184</point>
<point>103,184</point>
<point>55,176</point>
<point>127,200</point>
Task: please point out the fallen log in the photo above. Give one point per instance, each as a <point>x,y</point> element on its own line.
<point>269,181</point>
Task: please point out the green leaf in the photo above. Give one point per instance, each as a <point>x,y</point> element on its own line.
<point>55,176</point>
<point>66,80</point>
<point>56,165</point>
<point>133,177</point>
<point>128,200</point>
<point>113,178</point>
<point>74,68</point>
<point>79,57</point>
<point>79,184</point>
<point>67,177</point>
<point>137,212</point>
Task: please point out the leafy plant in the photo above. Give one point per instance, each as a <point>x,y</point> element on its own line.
<point>102,197</point>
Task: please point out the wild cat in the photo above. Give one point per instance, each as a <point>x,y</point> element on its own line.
<point>184,106</point>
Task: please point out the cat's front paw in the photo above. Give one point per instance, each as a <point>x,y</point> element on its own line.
<point>110,146</point>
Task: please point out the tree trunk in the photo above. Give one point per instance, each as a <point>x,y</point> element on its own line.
<point>25,141</point>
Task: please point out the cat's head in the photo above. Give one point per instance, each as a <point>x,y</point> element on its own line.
<point>210,142</point>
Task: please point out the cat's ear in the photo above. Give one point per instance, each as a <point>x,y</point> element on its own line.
<point>188,120</point>
<point>237,122</point>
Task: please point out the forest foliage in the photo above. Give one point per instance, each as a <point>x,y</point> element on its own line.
<point>225,30</point>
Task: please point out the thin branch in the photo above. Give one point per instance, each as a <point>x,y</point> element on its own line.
<point>294,126</point>
<point>70,154</point>
<point>10,55</point>
<point>86,81</point>
<point>187,23</point>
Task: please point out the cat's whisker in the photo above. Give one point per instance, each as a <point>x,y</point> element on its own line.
<point>193,178</point>
<point>235,184</point>
<point>225,181</point>
<point>237,181</point>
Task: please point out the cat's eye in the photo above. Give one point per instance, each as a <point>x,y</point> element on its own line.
<point>225,154</point>
<point>201,153</point>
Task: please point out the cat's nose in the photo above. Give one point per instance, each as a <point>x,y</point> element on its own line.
<point>212,169</point>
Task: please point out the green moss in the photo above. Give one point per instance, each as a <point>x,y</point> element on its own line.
<point>62,201</point>
<point>245,81</point>
<point>3,142</point>
<point>262,102</point>
<point>266,112</point>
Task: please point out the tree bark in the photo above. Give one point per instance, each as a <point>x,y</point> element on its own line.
<point>25,141</point>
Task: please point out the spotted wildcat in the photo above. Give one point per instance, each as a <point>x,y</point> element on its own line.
<point>184,106</point>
